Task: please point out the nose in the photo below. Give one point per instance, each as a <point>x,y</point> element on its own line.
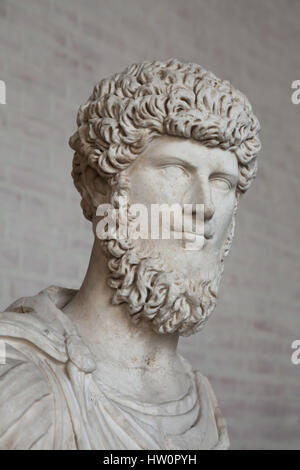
<point>209,209</point>
<point>200,193</point>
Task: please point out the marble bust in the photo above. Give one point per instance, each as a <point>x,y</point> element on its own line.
<point>98,368</point>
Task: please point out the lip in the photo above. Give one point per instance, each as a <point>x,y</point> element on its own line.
<point>207,235</point>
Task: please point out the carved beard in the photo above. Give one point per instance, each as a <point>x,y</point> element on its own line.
<point>167,299</point>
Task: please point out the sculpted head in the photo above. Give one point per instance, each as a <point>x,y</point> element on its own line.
<point>166,132</point>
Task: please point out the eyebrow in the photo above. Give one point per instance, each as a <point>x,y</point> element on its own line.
<point>171,159</point>
<point>232,176</point>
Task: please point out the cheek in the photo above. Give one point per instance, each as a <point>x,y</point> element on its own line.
<point>223,217</point>
<point>141,189</point>
<point>152,187</point>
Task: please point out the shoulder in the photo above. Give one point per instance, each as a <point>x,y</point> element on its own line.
<point>26,399</point>
<point>36,320</point>
<point>210,411</point>
<point>208,398</point>
<point>31,341</point>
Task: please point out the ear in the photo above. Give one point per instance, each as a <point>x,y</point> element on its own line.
<point>96,186</point>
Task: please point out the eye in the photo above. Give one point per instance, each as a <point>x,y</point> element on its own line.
<point>220,183</point>
<point>176,170</point>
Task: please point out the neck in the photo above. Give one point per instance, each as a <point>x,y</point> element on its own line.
<point>132,354</point>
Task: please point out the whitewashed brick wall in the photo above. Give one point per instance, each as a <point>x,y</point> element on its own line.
<point>51,54</point>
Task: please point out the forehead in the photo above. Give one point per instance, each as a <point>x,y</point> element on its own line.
<point>190,153</point>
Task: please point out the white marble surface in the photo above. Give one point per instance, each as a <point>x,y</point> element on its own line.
<point>98,368</point>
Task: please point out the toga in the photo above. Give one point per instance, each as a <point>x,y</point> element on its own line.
<point>52,396</point>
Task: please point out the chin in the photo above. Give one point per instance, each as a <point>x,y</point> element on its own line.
<point>172,300</point>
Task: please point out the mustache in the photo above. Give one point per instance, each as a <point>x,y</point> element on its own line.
<point>207,232</point>
<point>192,225</point>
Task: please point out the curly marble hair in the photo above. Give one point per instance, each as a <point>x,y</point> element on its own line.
<point>126,111</point>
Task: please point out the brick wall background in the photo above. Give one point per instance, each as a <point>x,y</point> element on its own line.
<point>51,54</point>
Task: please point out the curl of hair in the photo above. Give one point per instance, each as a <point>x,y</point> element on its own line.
<point>126,111</point>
